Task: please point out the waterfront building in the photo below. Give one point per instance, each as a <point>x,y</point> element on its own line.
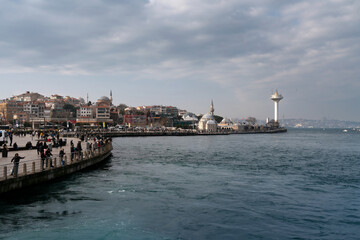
<point>188,120</point>
<point>47,113</point>
<point>227,124</point>
<point>8,109</point>
<point>96,114</point>
<point>72,101</point>
<point>172,111</point>
<point>56,97</point>
<point>85,112</point>
<point>20,118</point>
<point>115,115</point>
<point>182,112</point>
<point>207,122</point>
<point>135,120</point>
<point>34,109</point>
<point>28,97</point>
<point>102,112</point>
<point>55,104</point>
<point>190,117</point>
<point>158,110</point>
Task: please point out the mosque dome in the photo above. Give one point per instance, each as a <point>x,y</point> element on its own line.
<point>190,117</point>
<point>104,98</point>
<point>211,122</point>
<point>226,121</point>
<point>207,117</point>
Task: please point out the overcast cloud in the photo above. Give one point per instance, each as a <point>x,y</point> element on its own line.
<point>185,52</point>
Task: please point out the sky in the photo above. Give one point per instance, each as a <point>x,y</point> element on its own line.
<point>184,53</point>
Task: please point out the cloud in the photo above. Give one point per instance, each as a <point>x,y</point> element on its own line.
<point>250,47</point>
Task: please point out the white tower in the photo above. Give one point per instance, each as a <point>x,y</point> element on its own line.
<point>276,97</point>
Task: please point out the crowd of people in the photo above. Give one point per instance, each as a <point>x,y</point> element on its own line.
<point>47,141</point>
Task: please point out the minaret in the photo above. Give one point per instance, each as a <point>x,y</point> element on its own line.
<point>87,98</point>
<point>212,108</point>
<point>111,98</point>
<point>276,97</point>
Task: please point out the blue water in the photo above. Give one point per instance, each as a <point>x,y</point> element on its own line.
<point>304,184</point>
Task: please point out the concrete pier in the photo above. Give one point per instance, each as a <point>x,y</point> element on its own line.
<point>29,176</point>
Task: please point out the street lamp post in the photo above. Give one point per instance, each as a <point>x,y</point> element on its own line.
<point>15,119</point>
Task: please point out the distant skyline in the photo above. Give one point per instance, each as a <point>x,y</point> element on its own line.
<point>186,52</point>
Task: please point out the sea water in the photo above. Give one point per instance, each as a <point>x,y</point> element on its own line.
<point>304,184</point>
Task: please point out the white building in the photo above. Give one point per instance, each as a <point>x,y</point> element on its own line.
<point>28,97</point>
<point>207,122</point>
<point>85,112</point>
<point>226,124</point>
<point>34,109</point>
<point>102,112</point>
<point>56,97</point>
<point>54,104</point>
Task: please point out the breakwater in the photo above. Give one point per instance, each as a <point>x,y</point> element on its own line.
<point>31,172</point>
<point>116,134</point>
<point>141,134</point>
<point>261,131</point>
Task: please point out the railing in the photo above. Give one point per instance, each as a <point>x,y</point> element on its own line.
<point>31,166</point>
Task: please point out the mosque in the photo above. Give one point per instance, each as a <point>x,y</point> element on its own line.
<point>207,122</point>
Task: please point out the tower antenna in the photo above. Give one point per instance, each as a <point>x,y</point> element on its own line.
<point>276,97</point>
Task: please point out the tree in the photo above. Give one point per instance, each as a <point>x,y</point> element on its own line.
<point>137,112</point>
<point>70,108</point>
<point>251,120</point>
<point>218,119</point>
<point>122,108</point>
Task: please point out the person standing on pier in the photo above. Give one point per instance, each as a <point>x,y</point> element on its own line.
<point>48,156</point>
<point>61,155</point>
<point>16,160</point>
<point>39,147</point>
<point>43,157</point>
<point>72,152</point>
<point>79,149</point>
<point>11,137</point>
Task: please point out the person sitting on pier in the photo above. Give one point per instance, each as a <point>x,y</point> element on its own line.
<point>15,146</point>
<point>5,151</point>
<point>16,160</point>
<point>29,145</point>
